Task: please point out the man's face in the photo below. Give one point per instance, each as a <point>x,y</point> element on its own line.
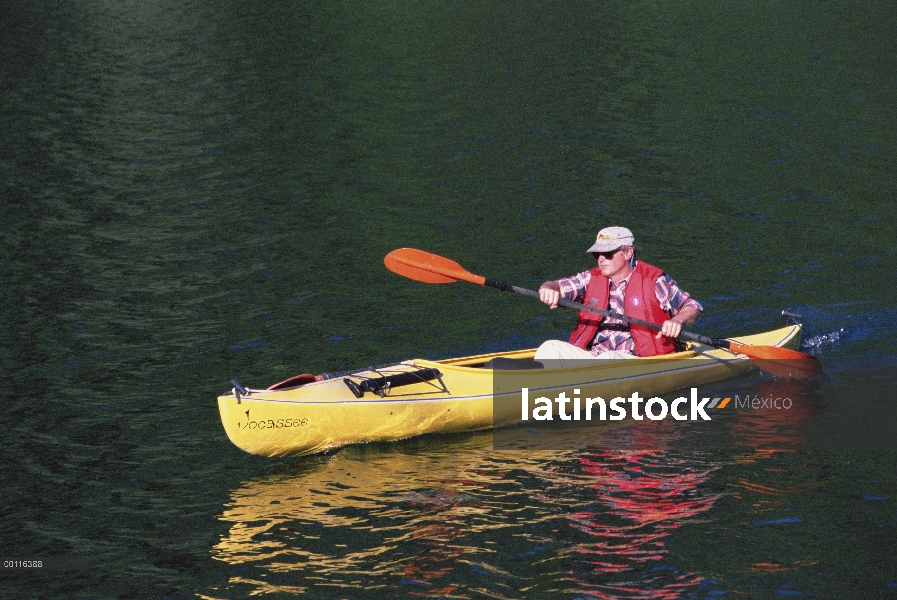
<point>614,263</point>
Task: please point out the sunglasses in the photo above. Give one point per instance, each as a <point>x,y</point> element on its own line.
<point>607,255</point>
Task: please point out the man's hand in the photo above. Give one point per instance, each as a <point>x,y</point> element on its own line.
<point>671,328</point>
<point>550,293</point>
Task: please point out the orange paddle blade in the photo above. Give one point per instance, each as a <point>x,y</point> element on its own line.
<point>783,362</point>
<point>429,268</point>
<point>770,352</point>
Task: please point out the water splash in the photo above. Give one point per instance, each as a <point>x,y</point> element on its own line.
<point>824,340</point>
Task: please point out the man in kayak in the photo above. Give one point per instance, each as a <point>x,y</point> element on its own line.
<point>624,285</point>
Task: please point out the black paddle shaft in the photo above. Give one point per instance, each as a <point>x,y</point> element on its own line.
<point>501,285</point>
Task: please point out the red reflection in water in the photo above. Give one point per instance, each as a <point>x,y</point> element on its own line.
<point>651,493</point>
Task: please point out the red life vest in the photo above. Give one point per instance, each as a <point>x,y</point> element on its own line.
<point>640,303</point>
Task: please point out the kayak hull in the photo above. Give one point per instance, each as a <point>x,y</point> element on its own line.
<point>322,415</point>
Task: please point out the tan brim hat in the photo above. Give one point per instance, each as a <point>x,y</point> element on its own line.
<point>611,238</point>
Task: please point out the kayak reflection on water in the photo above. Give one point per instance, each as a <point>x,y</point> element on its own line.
<point>461,519</point>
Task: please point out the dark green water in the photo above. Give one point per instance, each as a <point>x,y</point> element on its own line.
<point>199,191</point>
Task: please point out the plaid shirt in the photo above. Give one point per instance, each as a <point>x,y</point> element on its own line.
<point>614,334</point>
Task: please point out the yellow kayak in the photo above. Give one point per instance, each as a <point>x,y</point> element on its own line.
<point>307,414</point>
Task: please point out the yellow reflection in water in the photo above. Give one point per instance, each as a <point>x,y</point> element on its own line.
<point>454,520</point>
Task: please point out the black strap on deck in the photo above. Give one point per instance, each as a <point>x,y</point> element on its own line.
<point>381,385</point>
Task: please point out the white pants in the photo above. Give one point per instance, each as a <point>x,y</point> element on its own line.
<point>568,355</point>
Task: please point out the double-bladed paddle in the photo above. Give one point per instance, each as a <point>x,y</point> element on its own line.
<point>432,268</point>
